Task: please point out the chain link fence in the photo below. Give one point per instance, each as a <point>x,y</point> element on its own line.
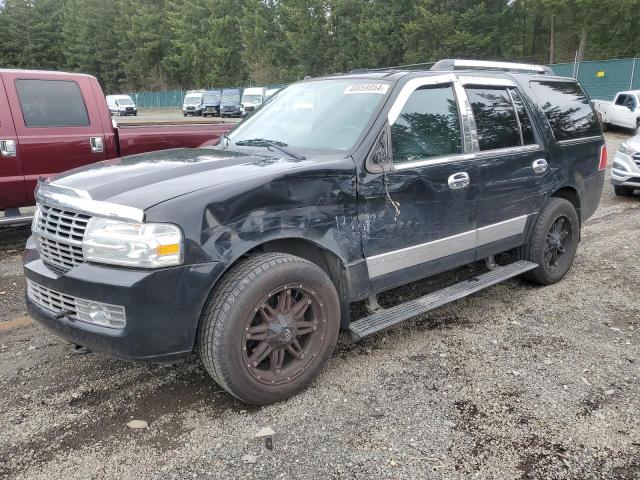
<point>602,79</point>
<point>172,98</point>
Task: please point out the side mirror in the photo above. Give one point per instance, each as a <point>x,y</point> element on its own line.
<point>380,158</point>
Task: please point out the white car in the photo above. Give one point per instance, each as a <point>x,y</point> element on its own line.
<point>624,111</point>
<point>121,105</point>
<point>625,172</point>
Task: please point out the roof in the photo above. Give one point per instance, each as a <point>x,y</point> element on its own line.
<point>630,92</point>
<point>40,72</point>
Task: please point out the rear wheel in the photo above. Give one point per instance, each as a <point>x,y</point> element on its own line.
<point>269,328</point>
<point>553,243</point>
<point>623,191</point>
<point>637,129</point>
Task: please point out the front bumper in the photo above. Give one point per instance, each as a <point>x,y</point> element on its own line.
<point>162,306</point>
<point>625,171</point>
<point>230,111</point>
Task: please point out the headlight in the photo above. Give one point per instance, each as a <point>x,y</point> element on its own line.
<point>626,149</point>
<point>143,245</point>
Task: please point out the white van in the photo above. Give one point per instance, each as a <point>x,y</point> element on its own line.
<point>192,103</point>
<point>252,98</point>
<point>121,105</point>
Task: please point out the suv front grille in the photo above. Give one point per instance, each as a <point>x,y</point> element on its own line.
<point>81,309</point>
<point>59,236</point>
<point>636,158</point>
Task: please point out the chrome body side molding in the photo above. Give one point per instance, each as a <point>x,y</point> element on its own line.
<point>395,260</point>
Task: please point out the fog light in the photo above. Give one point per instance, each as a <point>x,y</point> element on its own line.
<point>102,314</point>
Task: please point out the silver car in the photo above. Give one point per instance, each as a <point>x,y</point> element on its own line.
<point>625,172</point>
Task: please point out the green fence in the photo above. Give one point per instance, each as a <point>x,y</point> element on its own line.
<point>171,98</point>
<point>167,99</point>
<point>602,79</point>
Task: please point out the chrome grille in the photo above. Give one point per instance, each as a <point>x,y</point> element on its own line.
<point>59,256</point>
<point>636,158</point>
<point>59,235</point>
<point>97,313</point>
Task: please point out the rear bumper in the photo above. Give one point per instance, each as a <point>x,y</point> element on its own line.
<point>162,307</point>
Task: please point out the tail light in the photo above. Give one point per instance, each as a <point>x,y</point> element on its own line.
<point>603,158</point>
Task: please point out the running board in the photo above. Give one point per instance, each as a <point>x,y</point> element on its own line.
<point>394,315</point>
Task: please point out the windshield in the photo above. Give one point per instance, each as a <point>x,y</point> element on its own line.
<point>211,97</point>
<point>317,115</point>
<point>231,97</point>
<point>192,99</point>
<point>253,99</point>
<point>124,101</point>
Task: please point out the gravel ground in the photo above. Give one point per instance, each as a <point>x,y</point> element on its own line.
<point>517,381</point>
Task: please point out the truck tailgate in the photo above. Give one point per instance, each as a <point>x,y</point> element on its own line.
<point>146,138</point>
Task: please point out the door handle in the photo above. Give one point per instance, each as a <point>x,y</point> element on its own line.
<point>540,165</point>
<point>97,144</point>
<point>8,148</point>
<point>459,180</point>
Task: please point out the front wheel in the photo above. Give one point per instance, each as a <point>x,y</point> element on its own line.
<point>269,327</point>
<point>553,243</point>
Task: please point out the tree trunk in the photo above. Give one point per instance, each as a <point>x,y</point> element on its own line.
<point>551,40</point>
<point>583,44</point>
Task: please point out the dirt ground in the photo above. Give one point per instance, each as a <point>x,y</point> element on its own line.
<point>517,381</point>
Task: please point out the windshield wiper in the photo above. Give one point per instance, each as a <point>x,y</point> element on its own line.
<point>225,141</point>
<point>263,142</point>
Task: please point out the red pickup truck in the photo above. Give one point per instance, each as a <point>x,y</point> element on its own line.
<point>53,121</point>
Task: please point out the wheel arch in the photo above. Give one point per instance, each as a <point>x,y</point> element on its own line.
<point>570,194</point>
<point>329,261</point>
<point>304,248</point>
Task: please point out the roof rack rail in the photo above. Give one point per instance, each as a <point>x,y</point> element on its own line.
<point>457,64</point>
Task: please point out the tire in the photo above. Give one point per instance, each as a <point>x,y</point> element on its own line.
<point>605,126</point>
<point>637,129</point>
<point>622,191</point>
<point>240,347</point>
<point>543,242</point>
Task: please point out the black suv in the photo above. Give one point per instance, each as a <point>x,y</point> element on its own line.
<point>339,188</point>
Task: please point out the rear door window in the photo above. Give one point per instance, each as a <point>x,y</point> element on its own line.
<point>495,117</point>
<point>568,110</point>
<point>428,126</point>
<point>52,103</point>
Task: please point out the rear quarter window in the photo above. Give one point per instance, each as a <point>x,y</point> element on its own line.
<point>568,110</point>
<point>52,103</point>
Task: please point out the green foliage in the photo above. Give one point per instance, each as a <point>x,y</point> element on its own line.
<point>160,44</point>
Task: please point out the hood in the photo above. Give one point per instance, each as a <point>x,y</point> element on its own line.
<point>634,142</point>
<point>145,180</point>
<point>230,103</point>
